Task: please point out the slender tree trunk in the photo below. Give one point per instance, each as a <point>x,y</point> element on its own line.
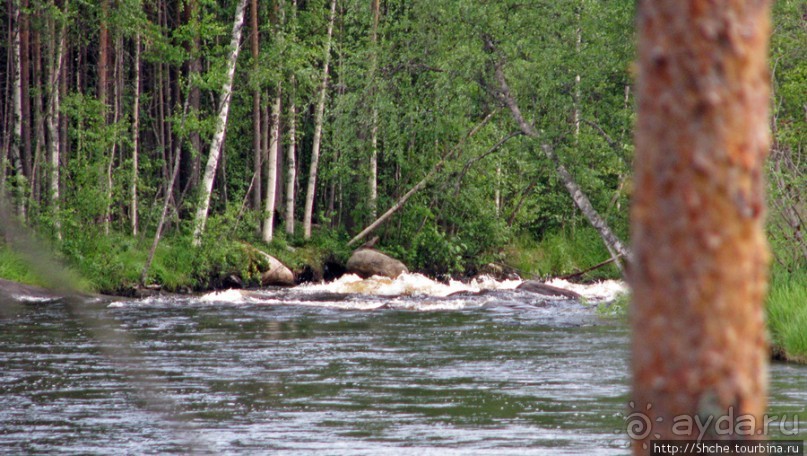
<point>318,120</point>
<point>103,55</point>
<point>39,120</point>
<point>221,125</point>
<point>580,199</point>
<point>433,172</point>
<point>174,173</point>
<point>291,159</point>
<point>194,67</point>
<point>116,90</point>
<point>25,71</point>
<point>700,254</point>
<point>271,178</point>
<point>55,84</point>
<point>16,119</point>
<point>256,110</point>
<point>133,208</point>
<point>376,6</point>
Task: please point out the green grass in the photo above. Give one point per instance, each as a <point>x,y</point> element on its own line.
<point>787,314</point>
<point>560,253</point>
<point>15,268</point>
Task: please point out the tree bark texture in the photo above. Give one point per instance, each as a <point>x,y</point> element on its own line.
<point>319,119</point>
<point>271,166</point>
<point>700,254</point>
<point>256,109</point>
<point>221,125</point>
<point>291,160</point>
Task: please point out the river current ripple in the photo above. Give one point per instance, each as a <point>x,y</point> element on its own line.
<point>347,368</point>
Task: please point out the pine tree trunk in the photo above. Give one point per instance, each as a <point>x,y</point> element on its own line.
<point>700,253</point>
<point>271,178</point>
<point>221,126</point>
<point>133,208</point>
<point>256,111</point>
<point>291,160</point>
<point>318,120</point>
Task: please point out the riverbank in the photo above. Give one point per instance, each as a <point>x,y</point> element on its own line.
<point>112,265</point>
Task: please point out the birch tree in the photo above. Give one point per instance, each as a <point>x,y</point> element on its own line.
<point>271,166</point>
<point>53,90</point>
<point>221,125</point>
<point>700,253</point>
<point>319,118</point>
<point>291,160</point>
<point>16,99</point>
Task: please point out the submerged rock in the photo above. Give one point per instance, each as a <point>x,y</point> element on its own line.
<point>534,286</point>
<point>366,262</point>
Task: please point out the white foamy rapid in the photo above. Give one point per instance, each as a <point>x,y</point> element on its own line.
<point>409,291</point>
<point>597,292</point>
<point>230,296</point>
<point>411,284</point>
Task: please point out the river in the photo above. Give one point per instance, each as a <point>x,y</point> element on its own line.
<point>408,367</point>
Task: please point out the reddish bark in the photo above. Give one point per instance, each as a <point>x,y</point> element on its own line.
<point>700,254</point>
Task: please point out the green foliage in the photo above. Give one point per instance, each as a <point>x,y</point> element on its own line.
<point>13,267</point>
<point>559,253</point>
<point>616,309</point>
<point>787,314</point>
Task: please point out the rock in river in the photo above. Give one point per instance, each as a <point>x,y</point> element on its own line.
<point>277,274</point>
<point>369,262</point>
<point>535,286</point>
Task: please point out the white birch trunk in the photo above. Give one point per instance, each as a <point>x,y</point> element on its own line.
<point>16,98</point>
<point>320,114</point>
<point>54,102</point>
<point>221,126</point>
<point>271,179</point>
<point>291,162</point>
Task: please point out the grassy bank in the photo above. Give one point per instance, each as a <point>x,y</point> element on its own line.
<point>787,315</point>
<point>560,253</point>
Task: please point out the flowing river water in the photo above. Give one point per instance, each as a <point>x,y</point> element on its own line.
<point>353,367</point>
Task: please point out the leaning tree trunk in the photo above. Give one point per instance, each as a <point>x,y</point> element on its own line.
<point>700,254</point>
<point>221,126</point>
<point>580,199</point>
<point>320,114</point>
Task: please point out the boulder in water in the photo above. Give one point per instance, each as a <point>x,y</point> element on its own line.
<point>534,286</point>
<point>369,262</point>
<point>277,273</point>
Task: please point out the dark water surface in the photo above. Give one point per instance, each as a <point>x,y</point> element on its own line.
<point>503,373</point>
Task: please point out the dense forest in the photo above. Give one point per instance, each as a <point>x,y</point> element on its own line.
<point>462,133</point>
